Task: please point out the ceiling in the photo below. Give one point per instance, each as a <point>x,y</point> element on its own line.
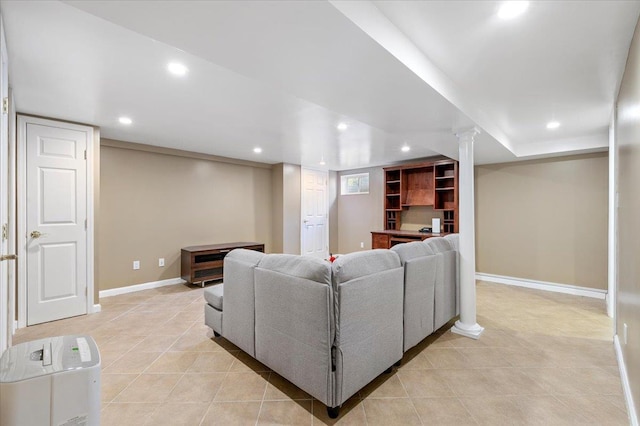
<point>281,75</point>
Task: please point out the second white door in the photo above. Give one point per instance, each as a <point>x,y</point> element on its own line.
<point>56,240</point>
<point>314,232</point>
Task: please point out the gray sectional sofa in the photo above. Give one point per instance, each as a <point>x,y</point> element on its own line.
<point>331,328</point>
<point>430,286</point>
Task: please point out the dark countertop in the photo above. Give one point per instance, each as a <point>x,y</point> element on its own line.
<point>223,246</point>
<point>409,233</point>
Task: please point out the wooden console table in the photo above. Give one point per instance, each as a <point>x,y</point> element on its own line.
<point>388,239</point>
<point>205,263</point>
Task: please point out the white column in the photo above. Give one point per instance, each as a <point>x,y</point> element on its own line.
<point>467,325</point>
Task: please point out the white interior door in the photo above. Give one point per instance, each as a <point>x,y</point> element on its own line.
<point>56,214</point>
<point>315,215</point>
<point>5,321</point>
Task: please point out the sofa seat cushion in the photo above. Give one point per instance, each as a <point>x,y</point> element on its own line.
<point>213,296</point>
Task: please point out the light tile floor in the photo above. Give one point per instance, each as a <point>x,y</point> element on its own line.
<point>544,358</point>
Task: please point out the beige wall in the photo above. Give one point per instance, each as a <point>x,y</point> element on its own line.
<point>416,217</point>
<point>286,208</point>
<point>359,214</point>
<point>334,246</point>
<point>277,197</point>
<point>544,220</point>
<point>628,140</point>
<point>291,214</point>
<point>152,204</point>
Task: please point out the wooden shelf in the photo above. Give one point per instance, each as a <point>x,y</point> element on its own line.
<point>432,183</point>
<point>205,263</point>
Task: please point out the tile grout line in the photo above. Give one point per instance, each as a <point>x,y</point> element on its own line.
<point>149,366</point>
<point>468,411</point>
<point>262,400</point>
<point>415,410</point>
<point>213,400</point>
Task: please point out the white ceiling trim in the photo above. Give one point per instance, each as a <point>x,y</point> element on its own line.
<point>567,146</point>
<point>373,22</point>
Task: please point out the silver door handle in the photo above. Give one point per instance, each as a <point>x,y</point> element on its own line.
<point>8,257</point>
<point>36,234</point>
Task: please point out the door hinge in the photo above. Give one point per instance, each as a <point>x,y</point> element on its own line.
<point>5,105</point>
<point>85,154</point>
<point>85,224</point>
<point>5,231</point>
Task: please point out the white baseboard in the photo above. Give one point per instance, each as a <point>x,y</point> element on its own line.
<point>140,287</point>
<point>626,387</point>
<point>543,285</point>
<point>96,308</point>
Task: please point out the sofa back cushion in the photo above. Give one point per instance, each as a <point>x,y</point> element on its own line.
<point>239,298</point>
<point>446,292</point>
<point>294,321</point>
<point>408,251</point>
<point>368,295</point>
<point>454,240</point>
<point>420,271</point>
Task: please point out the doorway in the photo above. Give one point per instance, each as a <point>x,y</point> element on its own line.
<point>56,210</point>
<point>6,262</point>
<point>314,232</point>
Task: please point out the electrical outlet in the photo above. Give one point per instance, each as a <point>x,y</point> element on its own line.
<point>161,261</point>
<point>136,264</point>
<point>625,333</point>
<point>361,244</point>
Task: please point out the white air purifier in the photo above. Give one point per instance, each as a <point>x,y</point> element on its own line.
<point>53,381</point>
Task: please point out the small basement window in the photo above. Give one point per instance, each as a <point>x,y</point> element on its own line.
<point>354,184</point>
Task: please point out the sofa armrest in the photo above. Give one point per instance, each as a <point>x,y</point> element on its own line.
<point>239,298</point>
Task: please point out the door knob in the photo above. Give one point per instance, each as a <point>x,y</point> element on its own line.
<point>8,257</point>
<point>36,234</point>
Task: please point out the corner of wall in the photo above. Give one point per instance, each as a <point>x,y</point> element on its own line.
<point>96,213</point>
<point>277,206</point>
<point>292,175</point>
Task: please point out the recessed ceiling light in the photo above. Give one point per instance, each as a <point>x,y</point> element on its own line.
<point>257,150</point>
<point>512,9</point>
<point>322,163</point>
<point>553,125</point>
<point>125,120</point>
<point>342,126</point>
<point>405,148</point>
<point>177,69</point>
